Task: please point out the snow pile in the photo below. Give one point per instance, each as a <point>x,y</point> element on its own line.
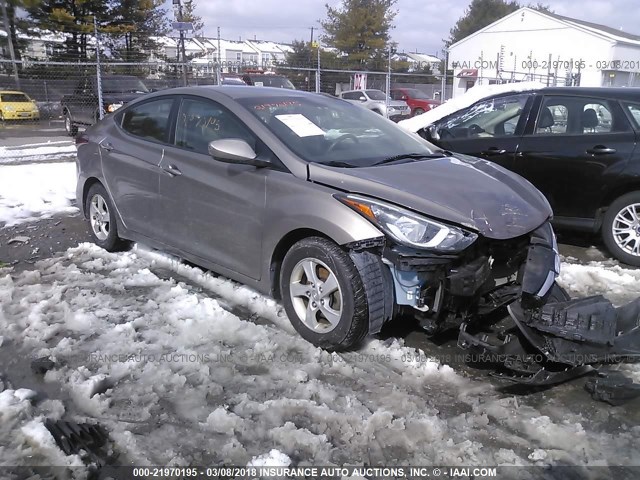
<point>470,97</point>
<point>37,152</point>
<point>183,367</point>
<point>30,192</point>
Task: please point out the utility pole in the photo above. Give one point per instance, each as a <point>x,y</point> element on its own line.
<point>12,53</point>
<point>318,71</point>
<point>310,61</point>
<point>98,70</point>
<point>182,51</point>
<point>219,69</point>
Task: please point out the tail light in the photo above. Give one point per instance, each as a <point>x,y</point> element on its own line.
<point>81,139</point>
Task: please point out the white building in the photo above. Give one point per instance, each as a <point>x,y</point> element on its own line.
<point>418,61</point>
<point>532,45</point>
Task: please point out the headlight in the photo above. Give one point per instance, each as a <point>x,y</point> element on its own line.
<point>112,107</point>
<point>409,228</point>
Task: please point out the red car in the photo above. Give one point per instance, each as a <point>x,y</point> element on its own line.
<point>416,99</point>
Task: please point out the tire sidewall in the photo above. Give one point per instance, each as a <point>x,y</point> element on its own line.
<point>607,224</point>
<point>336,336</point>
<point>111,242</point>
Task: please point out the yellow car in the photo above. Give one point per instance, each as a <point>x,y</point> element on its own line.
<point>17,106</point>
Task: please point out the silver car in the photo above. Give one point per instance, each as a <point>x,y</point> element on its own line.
<point>376,101</point>
<point>343,216</point>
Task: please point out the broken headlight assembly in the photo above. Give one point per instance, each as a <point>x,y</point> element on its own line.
<point>409,228</point>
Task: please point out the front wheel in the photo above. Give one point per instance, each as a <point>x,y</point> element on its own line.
<point>323,294</point>
<point>418,111</point>
<point>621,229</point>
<point>69,126</point>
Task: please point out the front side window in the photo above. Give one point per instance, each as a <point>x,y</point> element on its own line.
<point>149,120</point>
<point>376,95</point>
<point>496,117</point>
<point>202,121</point>
<point>560,115</point>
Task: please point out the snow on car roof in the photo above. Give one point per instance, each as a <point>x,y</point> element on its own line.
<point>472,96</point>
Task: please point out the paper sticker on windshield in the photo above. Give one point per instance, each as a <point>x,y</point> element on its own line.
<point>301,125</point>
<point>258,84</point>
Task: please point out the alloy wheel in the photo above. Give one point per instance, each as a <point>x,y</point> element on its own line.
<point>316,295</point>
<point>99,217</point>
<point>626,229</point>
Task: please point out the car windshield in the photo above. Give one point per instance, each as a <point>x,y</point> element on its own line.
<point>14,97</point>
<point>232,81</point>
<point>329,131</point>
<point>415,93</point>
<point>376,95</point>
<point>272,81</point>
<point>123,85</point>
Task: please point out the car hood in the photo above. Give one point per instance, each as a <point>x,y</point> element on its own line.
<point>463,190</point>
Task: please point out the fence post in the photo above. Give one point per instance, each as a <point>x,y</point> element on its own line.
<point>12,53</point>
<point>318,72</point>
<point>98,70</point>
<point>387,85</point>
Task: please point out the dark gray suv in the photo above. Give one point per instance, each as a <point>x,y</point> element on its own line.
<point>342,215</point>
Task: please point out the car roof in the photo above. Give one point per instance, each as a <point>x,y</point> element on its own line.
<point>236,91</point>
<point>12,91</point>
<point>623,93</point>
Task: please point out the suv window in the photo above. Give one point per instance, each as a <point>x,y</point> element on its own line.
<point>352,95</point>
<point>496,117</point>
<point>149,120</point>
<point>634,110</point>
<point>203,121</point>
<point>578,116</point>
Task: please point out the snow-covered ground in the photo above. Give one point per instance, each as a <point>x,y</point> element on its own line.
<point>35,152</point>
<point>32,191</point>
<point>185,368</point>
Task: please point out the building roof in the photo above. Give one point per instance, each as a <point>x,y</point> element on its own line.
<point>609,33</point>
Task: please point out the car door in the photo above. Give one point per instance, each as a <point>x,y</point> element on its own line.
<point>489,129</point>
<point>211,209</point>
<point>131,155</point>
<point>573,149</point>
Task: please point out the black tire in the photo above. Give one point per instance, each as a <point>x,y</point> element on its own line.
<point>418,111</point>
<point>70,127</point>
<point>353,324</point>
<point>112,242</point>
<point>607,229</point>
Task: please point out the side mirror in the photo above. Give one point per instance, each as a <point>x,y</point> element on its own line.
<point>235,150</point>
<point>363,98</point>
<point>403,97</point>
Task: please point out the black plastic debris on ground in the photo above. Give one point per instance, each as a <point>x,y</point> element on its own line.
<point>90,441</point>
<point>613,388</point>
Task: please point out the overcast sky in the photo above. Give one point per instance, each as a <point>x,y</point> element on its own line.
<point>420,24</point>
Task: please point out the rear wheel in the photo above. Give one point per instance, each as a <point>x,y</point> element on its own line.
<point>69,126</point>
<point>621,229</point>
<point>323,294</point>
<point>418,111</point>
<point>102,220</point>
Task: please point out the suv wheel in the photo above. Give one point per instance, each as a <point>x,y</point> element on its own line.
<point>102,219</point>
<point>69,126</point>
<point>323,294</point>
<point>418,111</point>
<point>621,229</point>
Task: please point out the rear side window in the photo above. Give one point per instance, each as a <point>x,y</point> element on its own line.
<point>579,116</point>
<point>149,120</point>
<point>634,110</point>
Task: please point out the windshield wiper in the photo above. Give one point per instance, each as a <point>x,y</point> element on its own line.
<point>335,163</point>
<point>409,156</point>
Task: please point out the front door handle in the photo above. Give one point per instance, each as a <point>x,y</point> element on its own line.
<point>601,150</point>
<point>106,146</point>
<point>493,151</point>
<point>172,170</point>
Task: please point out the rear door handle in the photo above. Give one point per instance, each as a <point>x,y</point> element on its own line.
<point>601,150</point>
<point>493,151</point>
<point>172,170</point>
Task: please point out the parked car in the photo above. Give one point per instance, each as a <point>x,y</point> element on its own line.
<point>16,105</point>
<point>227,79</point>
<point>577,145</point>
<point>375,100</point>
<point>267,80</point>
<point>81,107</point>
<point>418,101</point>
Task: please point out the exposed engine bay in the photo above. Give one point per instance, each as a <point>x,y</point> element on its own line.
<point>546,338</point>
